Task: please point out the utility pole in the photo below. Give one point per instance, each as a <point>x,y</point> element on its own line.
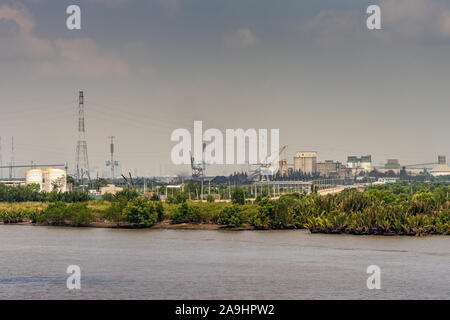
<point>11,168</point>
<point>112,163</point>
<point>82,161</point>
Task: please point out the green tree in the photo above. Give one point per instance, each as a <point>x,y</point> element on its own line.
<point>238,196</point>
<point>140,211</point>
<point>231,216</point>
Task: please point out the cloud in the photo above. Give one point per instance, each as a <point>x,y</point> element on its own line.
<point>111,3</point>
<point>21,41</point>
<point>410,20</point>
<point>241,38</point>
<point>68,57</point>
<point>416,19</point>
<point>81,58</point>
<point>329,27</point>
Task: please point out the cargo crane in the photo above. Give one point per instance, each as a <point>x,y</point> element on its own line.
<point>130,184</point>
<point>270,165</point>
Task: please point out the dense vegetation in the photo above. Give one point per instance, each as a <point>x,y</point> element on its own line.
<point>405,209</point>
<point>31,193</point>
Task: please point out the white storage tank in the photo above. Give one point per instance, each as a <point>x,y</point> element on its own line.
<point>34,176</point>
<point>54,177</point>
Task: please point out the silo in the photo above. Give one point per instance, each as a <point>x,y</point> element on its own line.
<point>34,176</point>
<point>54,177</point>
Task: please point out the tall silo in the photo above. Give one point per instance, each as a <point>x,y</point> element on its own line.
<point>34,176</point>
<point>55,178</point>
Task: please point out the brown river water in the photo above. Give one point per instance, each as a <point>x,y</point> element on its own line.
<point>194,264</point>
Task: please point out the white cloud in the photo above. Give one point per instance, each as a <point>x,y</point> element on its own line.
<point>67,57</point>
<point>330,27</point>
<point>81,58</point>
<point>21,41</point>
<point>414,20</point>
<point>241,38</point>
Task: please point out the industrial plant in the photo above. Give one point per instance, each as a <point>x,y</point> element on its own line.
<point>304,170</point>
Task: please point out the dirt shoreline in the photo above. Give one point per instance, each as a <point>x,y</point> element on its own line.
<point>166,224</point>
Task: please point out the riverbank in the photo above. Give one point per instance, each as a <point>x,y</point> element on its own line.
<point>168,225</point>
<point>162,225</point>
<point>382,210</point>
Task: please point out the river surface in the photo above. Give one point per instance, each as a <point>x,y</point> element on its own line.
<point>193,264</point>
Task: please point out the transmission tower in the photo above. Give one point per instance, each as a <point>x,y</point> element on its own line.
<point>82,161</point>
<point>112,163</point>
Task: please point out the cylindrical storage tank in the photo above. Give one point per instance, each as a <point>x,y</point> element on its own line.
<point>55,178</point>
<point>34,176</point>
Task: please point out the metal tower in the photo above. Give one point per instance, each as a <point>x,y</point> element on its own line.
<point>82,161</point>
<point>111,163</point>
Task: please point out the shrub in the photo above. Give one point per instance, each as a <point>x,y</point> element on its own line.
<point>238,196</point>
<point>79,214</point>
<point>54,214</point>
<point>155,197</point>
<point>185,212</point>
<point>231,216</point>
<point>115,211</point>
<point>159,210</point>
<point>140,211</point>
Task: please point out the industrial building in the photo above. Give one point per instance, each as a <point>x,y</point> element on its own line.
<point>306,162</point>
<point>392,164</point>
<point>332,168</point>
<point>363,163</point>
<point>441,169</point>
<point>47,179</point>
<point>111,189</point>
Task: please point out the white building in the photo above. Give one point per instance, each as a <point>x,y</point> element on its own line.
<point>48,179</point>
<point>35,176</point>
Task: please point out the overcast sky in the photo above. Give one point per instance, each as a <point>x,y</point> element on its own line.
<point>309,68</point>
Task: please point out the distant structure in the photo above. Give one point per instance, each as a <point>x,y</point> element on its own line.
<point>332,168</point>
<point>110,189</point>
<point>112,163</point>
<point>392,164</point>
<point>48,180</point>
<point>442,169</point>
<point>363,163</point>
<point>11,168</point>
<point>306,162</point>
<point>82,161</point>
